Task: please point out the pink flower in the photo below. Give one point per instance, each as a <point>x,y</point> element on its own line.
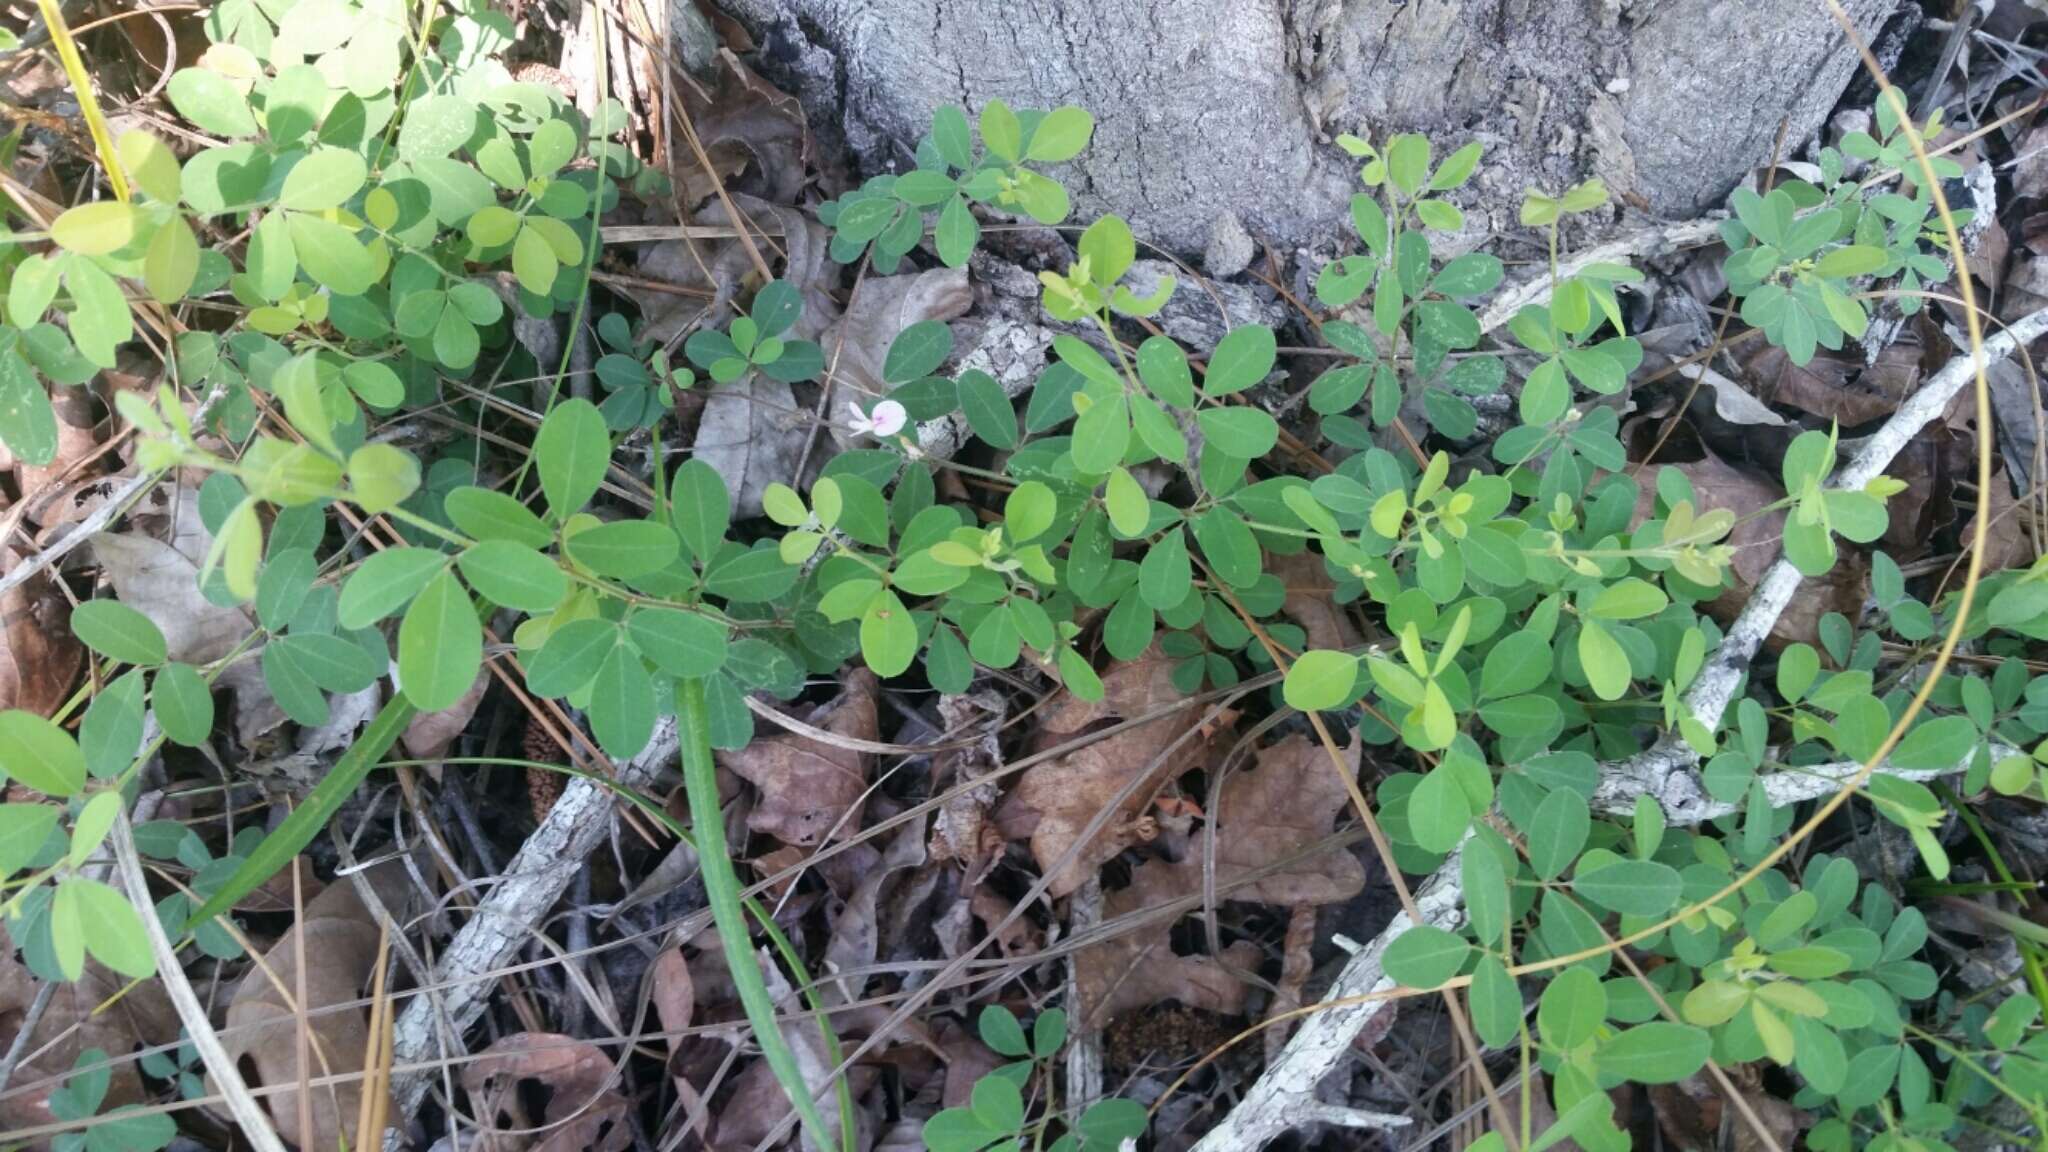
<point>887,419</point>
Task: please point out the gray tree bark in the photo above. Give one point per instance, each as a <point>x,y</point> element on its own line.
<point>1215,108</point>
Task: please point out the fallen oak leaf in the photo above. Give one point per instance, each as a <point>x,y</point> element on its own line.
<point>1138,968</point>
<point>548,1093</point>
<point>1055,800</point>
<point>811,788</point>
<point>39,657</point>
<point>1279,810</point>
<point>339,939</point>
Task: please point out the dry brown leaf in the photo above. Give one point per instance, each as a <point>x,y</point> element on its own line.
<point>1278,810</point>
<point>856,930</point>
<point>722,268</point>
<point>93,1011</point>
<point>1830,386</point>
<point>746,126</point>
<point>262,1037</point>
<point>2010,543</point>
<point>1310,600</point>
<point>1139,968</point>
<point>549,1093</point>
<point>1055,799</point>
<point>809,788</point>
<point>673,992</point>
<point>39,657</point>
<point>1717,484</point>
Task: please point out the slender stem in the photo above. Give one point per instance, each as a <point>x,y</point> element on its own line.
<point>722,890</point>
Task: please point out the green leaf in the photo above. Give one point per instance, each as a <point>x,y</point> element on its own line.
<point>112,932</point>
<point>183,703</point>
<point>1438,811</point>
<point>1408,162</point>
<point>435,126</point>
<point>513,575</point>
<point>325,178</point>
<point>1108,1124</point>
<point>487,515</point>
<point>1604,659</point>
<point>1028,511</point>
<point>625,549</point>
<point>956,233</point>
<point>39,754</point>
<point>1631,887</point>
<point>1425,956</point>
<point>1320,680</point>
<point>917,351</point>
<point>334,258</point>
<point>1102,433</point>
<point>1001,133</point>
<point>1166,576</point>
<point>440,645</point>
<point>211,102</point>
<point>1850,260</point>
<point>110,735</point>
<point>571,452</point>
<point>989,411</point>
<point>1229,546</point>
<point>1517,663</point>
<point>571,657</point>
<point>534,262</point>
<point>1658,1052</point>
<point>701,507</point>
<point>382,476</point>
<point>1631,598</point>
<point>622,704</point>
<point>888,635</point>
<point>385,583</point>
<point>1109,248</point>
<point>1798,666</point>
<point>1242,358</point>
<point>1456,168</point>
<point>1496,1001</point>
<point>1486,887</point>
<point>1943,742</point>
<point>24,830</point>
<point>1572,1007</point>
<point>1060,135</point>
<point>170,266</point>
<point>680,643</point>
<point>998,1103</point>
<point>1557,832</point>
<point>28,422</point>
<point>1244,433</point>
<point>1000,1031</point>
<point>118,632</point>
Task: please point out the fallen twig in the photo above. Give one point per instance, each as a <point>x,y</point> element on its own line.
<point>1285,1094</point>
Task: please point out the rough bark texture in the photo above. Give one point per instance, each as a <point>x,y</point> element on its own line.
<point>1225,108</point>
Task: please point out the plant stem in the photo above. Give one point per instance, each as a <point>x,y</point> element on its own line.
<point>722,890</point>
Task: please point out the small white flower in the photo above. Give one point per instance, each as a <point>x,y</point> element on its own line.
<point>887,419</point>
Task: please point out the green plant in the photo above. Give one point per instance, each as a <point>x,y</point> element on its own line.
<point>999,1118</point>
<point>1533,623</point>
<point>125,1129</point>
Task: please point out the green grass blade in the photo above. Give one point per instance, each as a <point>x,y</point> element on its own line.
<point>722,888</point>
<point>309,818</point>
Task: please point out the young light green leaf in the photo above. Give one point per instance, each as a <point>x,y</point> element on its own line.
<point>440,645</point>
